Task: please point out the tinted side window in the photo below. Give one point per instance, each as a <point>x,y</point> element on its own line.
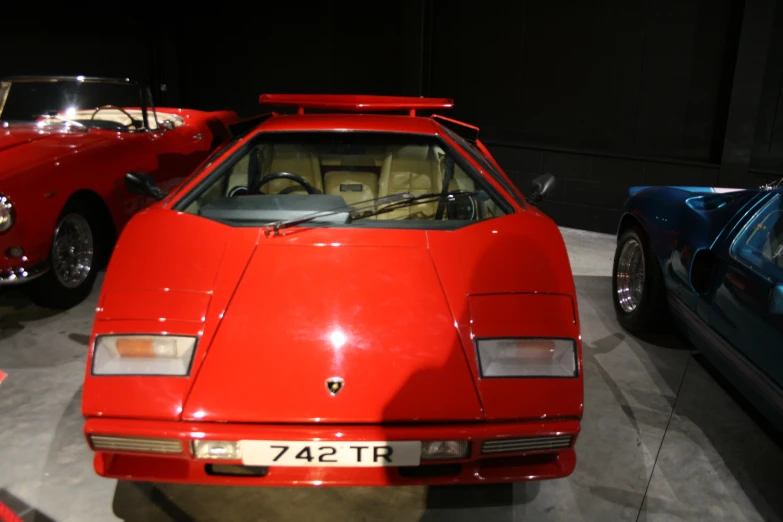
<point>485,164</point>
<point>760,244</point>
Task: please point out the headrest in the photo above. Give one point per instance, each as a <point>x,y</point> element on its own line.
<point>411,152</point>
<point>291,151</point>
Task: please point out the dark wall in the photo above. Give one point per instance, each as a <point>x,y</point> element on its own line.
<point>60,50</point>
<point>768,149</point>
<point>327,47</point>
<point>605,94</point>
<point>614,76</point>
<point>592,92</point>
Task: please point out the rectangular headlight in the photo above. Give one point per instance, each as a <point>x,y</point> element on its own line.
<point>143,355</point>
<point>527,357</point>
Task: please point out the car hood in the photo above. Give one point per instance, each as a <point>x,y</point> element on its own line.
<point>277,317</point>
<point>25,147</point>
<point>372,317</point>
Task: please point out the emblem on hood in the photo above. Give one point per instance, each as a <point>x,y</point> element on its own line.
<point>334,385</point>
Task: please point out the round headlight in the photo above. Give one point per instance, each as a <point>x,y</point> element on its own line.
<point>6,213</point>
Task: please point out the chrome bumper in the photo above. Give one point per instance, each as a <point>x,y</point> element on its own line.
<point>21,274</point>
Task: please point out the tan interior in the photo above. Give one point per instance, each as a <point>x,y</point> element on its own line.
<point>414,169</point>
<point>279,158</point>
<point>353,186</point>
<point>239,174</point>
<point>296,160</point>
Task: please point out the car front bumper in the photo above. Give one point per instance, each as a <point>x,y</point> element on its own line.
<point>479,467</point>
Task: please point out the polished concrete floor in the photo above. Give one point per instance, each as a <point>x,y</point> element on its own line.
<point>664,438</point>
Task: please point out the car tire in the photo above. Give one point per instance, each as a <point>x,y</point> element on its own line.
<point>75,256</point>
<point>638,288</point>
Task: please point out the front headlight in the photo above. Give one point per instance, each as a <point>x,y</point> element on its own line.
<point>143,355</point>
<point>527,357</point>
<point>6,213</point>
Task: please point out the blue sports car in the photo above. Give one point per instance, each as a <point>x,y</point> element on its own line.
<point>712,259</point>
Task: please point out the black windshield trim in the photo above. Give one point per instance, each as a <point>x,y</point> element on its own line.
<point>380,224</point>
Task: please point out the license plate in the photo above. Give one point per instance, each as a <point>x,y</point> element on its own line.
<point>330,453</point>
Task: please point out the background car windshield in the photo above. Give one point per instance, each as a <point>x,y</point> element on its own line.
<point>48,102</point>
<point>356,168</point>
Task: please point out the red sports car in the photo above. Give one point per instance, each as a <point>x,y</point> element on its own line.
<point>66,144</point>
<point>338,298</point>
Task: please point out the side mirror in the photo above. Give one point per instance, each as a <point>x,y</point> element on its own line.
<point>543,186</point>
<point>166,125</point>
<point>776,300</point>
<point>143,185</point>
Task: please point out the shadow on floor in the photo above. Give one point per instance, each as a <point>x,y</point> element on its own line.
<point>148,502</point>
<point>20,509</point>
<point>16,310</point>
<point>745,442</point>
<point>740,446</point>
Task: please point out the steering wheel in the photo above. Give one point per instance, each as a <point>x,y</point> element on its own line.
<point>284,175</point>
<point>126,113</point>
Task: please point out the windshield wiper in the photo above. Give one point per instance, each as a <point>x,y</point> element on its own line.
<point>420,199</point>
<point>359,205</point>
<point>392,203</point>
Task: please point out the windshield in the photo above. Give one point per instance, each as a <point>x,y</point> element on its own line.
<point>348,179</point>
<point>106,104</point>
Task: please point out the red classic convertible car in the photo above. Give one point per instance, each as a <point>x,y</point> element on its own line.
<point>338,299</point>
<point>65,146</point>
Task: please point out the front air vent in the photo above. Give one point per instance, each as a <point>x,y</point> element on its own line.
<point>554,442</point>
<point>137,444</point>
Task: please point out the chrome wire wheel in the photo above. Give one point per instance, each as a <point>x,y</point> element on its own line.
<point>73,251</point>
<point>630,276</point>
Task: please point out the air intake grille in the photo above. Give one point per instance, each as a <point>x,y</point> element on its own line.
<point>107,443</point>
<point>526,444</point>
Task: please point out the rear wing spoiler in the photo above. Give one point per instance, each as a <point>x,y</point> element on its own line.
<point>355,102</point>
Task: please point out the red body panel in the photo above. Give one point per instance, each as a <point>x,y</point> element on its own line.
<point>42,168</point>
<point>293,349</point>
<point>393,311</point>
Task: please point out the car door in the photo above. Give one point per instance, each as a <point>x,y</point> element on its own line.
<point>742,311</point>
<point>178,150</point>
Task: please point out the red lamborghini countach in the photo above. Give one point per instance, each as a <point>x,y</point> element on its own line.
<point>339,297</point>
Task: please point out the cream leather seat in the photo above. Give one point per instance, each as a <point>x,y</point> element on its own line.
<point>461,181</point>
<point>414,169</point>
<point>296,160</point>
<point>353,186</point>
<point>278,158</point>
<point>239,175</point>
